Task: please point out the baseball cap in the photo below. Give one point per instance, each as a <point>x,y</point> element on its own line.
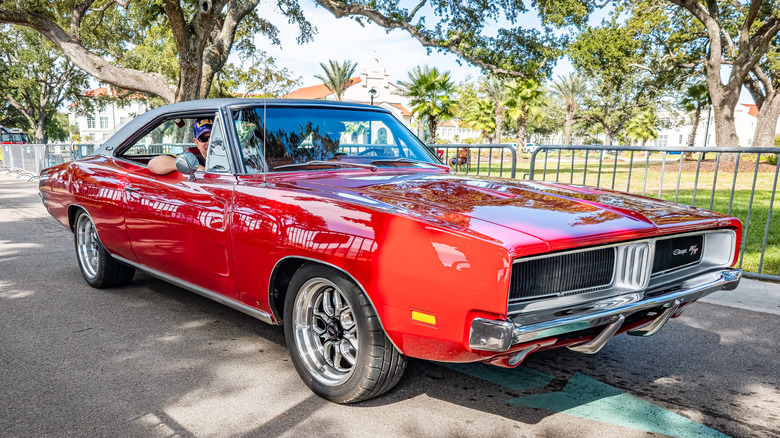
<point>201,126</point>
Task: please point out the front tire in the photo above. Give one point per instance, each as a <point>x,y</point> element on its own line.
<point>99,269</point>
<point>335,340</point>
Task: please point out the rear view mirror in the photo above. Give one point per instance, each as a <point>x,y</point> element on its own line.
<point>187,164</point>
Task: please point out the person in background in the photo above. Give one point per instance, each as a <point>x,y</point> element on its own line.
<point>165,164</point>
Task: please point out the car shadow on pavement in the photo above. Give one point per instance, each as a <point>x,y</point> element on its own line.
<point>680,370</point>
<point>690,375</point>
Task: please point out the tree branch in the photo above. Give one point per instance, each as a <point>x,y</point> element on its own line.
<point>20,108</point>
<point>414,11</point>
<point>182,34</point>
<point>78,14</point>
<point>216,54</point>
<point>104,8</point>
<point>340,9</point>
<point>750,18</point>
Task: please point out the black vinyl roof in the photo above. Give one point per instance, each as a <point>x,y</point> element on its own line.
<point>212,105</point>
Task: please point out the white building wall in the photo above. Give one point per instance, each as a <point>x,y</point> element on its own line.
<point>453,131</point>
<point>100,124</point>
<point>677,133</point>
<point>374,76</point>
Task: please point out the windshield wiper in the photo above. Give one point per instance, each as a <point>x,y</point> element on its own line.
<point>327,163</point>
<point>398,161</point>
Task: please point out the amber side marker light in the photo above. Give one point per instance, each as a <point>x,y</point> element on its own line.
<point>425,318</point>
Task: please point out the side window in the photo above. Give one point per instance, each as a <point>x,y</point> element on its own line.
<point>217,159</point>
<point>250,138</point>
<point>170,137</point>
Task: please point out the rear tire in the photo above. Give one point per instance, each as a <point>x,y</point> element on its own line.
<point>335,340</point>
<point>99,269</point>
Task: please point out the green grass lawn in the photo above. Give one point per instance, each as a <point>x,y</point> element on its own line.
<point>652,176</point>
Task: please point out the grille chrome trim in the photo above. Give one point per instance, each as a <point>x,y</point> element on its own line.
<point>551,324</point>
<point>553,276</point>
<point>633,265</point>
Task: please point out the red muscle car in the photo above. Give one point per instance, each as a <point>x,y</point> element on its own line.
<point>333,220</point>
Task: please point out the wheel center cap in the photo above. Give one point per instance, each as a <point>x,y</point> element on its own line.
<point>333,329</point>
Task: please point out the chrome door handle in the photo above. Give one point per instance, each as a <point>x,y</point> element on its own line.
<point>132,189</point>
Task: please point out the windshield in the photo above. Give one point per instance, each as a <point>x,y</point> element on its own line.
<point>303,135</point>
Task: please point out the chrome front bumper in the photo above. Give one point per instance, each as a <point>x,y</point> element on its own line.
<point>492,335</point>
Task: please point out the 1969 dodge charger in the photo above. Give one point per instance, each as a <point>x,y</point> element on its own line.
<point>333,220</point>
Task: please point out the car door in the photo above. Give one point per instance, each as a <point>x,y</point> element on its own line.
<point>180,226</point>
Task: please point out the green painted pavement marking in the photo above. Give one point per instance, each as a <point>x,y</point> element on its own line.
<point>588,398</point>
<point>519,379</point>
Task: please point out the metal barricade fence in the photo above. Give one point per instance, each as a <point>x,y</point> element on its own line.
<point>30,159</point>
<point>479,159</point>
<point>24,159</point>
<point>740,182</point>
<point>58,153</point>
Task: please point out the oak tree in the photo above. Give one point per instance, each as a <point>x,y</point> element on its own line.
<point>126,43</point>
<point>37,80</point>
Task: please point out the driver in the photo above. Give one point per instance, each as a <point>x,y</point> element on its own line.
<point>165,164</point>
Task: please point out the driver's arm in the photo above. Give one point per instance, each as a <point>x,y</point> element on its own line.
<point>162,164</point>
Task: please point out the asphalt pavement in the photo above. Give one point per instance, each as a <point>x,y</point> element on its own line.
<point>150,359</point>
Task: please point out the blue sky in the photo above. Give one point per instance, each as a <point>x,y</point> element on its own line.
<point>344,38</point>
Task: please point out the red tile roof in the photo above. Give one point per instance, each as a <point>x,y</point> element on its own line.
<point>316,91</point>
<point>111,92</point>
<point>100,92</point>
<point>752,109</point>
<point>404,111</point>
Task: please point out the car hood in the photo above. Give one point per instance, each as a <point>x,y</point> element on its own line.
<point>563,216</point>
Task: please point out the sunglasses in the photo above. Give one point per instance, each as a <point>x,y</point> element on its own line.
<point>204,138</point>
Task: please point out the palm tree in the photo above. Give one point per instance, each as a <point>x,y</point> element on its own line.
<point>569,89</point>
<point>337,76</point>
<point>523,95</point>
<point>642,127</point>
<point>481,117</point>
<point>495,90</point>
<point>429,91</point>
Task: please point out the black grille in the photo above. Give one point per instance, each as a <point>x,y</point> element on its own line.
<point>677,252</point>
<point>566,272</point>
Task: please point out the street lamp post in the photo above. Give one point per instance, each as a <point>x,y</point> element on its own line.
<point>372,92</point>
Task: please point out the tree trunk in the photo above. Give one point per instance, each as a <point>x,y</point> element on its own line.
<point>499,122</point>
<point>567,124</point>
<point>190,73</point>
<point>432,129</point>
<point>766,125</point>
<point>609,135</point>
<point>522,123</point>
<point>40,132</point>
<point>696,121</point>
<point>724,101</point>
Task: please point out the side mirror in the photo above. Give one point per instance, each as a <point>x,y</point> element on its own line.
<point>187,164</point>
